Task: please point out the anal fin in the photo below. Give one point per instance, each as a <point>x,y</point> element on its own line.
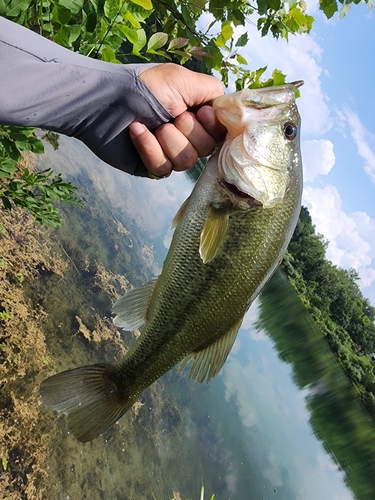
<point>131,309</point>
<point>209,361</point>
<point>213,233</point>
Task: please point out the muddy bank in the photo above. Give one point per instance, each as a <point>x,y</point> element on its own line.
<point>56,292</point>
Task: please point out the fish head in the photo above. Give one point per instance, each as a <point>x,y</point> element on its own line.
<point>260,156</point>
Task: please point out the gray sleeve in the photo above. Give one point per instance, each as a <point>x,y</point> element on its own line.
<point>45,85</point>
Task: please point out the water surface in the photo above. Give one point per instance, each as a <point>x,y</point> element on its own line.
<point>280,421</point>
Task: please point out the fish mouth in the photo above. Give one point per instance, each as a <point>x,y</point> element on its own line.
<point>237,192</point>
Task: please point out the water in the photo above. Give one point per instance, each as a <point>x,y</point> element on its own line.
<point>280,421</point>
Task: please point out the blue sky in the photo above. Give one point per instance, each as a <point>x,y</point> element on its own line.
<point>337,62</point>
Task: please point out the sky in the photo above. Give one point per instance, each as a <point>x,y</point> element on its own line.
<point>337,105</point>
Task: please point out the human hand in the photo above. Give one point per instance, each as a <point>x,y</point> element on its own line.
<point>193,134</point>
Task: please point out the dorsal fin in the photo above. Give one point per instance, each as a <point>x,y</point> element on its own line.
<point>209,361</point>
<point>213,233</point>
<point>180,213</point>
<point>131,309</point>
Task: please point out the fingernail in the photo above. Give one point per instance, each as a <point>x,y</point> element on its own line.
<point>207,116</point>
<point>136,128</point>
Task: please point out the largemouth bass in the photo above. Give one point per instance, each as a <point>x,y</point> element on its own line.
<point>229,237</point>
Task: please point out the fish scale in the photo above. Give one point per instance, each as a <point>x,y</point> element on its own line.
<point>229,237</point>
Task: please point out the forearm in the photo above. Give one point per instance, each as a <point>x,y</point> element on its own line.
<point>47,86</point>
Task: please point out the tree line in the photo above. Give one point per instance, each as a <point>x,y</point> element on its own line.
<point>335,301</point>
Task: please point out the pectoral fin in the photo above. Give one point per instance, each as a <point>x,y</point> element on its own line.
<point>213,233</point>
<point>180,213</point>
<point>131,309</point>
<point>209,361</point>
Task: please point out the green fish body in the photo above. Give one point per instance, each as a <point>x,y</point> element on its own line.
<point>230,236</point>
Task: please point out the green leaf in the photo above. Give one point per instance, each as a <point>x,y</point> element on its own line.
<point>6,203</point>
<point>146,4</point>
<point>160,53</point>
<point>108,54</point>
<point>187,16</point>
<point>16,7</point>
<point>226,30</point>
<point>91,21</point>
<point>130,34</point>
<point>75,32</point>
<point>278,77</point>
<point>132,20</point>
<point>178,43</point>
<point>111,8</point>
<point>2,8</point>
<point>242,41</point>
<point>7,166</point>
<point>241,59</point>
<point>62,36</point>
<point>274,4</point>
<point>75,6</point>
<point>297,21</point>
<point>329,7</point>
<point>156,41</point>
<point>10,149</point>
<point>61,14</point>
<point>197,6</point>
<point>262,7</point>
<point>36,145</point>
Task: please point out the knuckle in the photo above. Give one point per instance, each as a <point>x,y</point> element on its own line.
<point>185,122</point>
<point>186,159</point>
<point>207,147</point>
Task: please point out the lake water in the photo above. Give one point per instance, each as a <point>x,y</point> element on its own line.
<point>279,422</point>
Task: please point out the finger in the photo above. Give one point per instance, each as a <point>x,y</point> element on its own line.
<point>178,88</point>
<point>190,127</point>
<point>149,149</point>
<point>207,118</point>
<point>176,147</point>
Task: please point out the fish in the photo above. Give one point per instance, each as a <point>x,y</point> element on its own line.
<point>229,237</point>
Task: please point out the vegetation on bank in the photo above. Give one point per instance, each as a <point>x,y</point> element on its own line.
<point>335,301</point>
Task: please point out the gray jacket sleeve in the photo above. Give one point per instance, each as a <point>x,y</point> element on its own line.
<point>45,85</point>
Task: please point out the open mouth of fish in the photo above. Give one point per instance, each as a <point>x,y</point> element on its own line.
<point>237,192</point>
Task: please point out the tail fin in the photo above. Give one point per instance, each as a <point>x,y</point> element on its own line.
<point>89,397</point>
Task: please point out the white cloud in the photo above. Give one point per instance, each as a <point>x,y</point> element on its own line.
<point>299,58</point>
<point>351,236</point>
<point>318,158</point>
<point>363,138</point>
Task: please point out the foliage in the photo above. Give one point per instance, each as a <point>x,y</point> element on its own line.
<point>116,30</point>
<point>335,301</point>
<point>32,191</point>
<point>121,31</point>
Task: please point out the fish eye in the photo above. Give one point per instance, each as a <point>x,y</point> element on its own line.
<point>290,131</point>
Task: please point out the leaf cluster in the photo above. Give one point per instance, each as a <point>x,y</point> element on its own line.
<point>34,192</point>
<point>141,30</point>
